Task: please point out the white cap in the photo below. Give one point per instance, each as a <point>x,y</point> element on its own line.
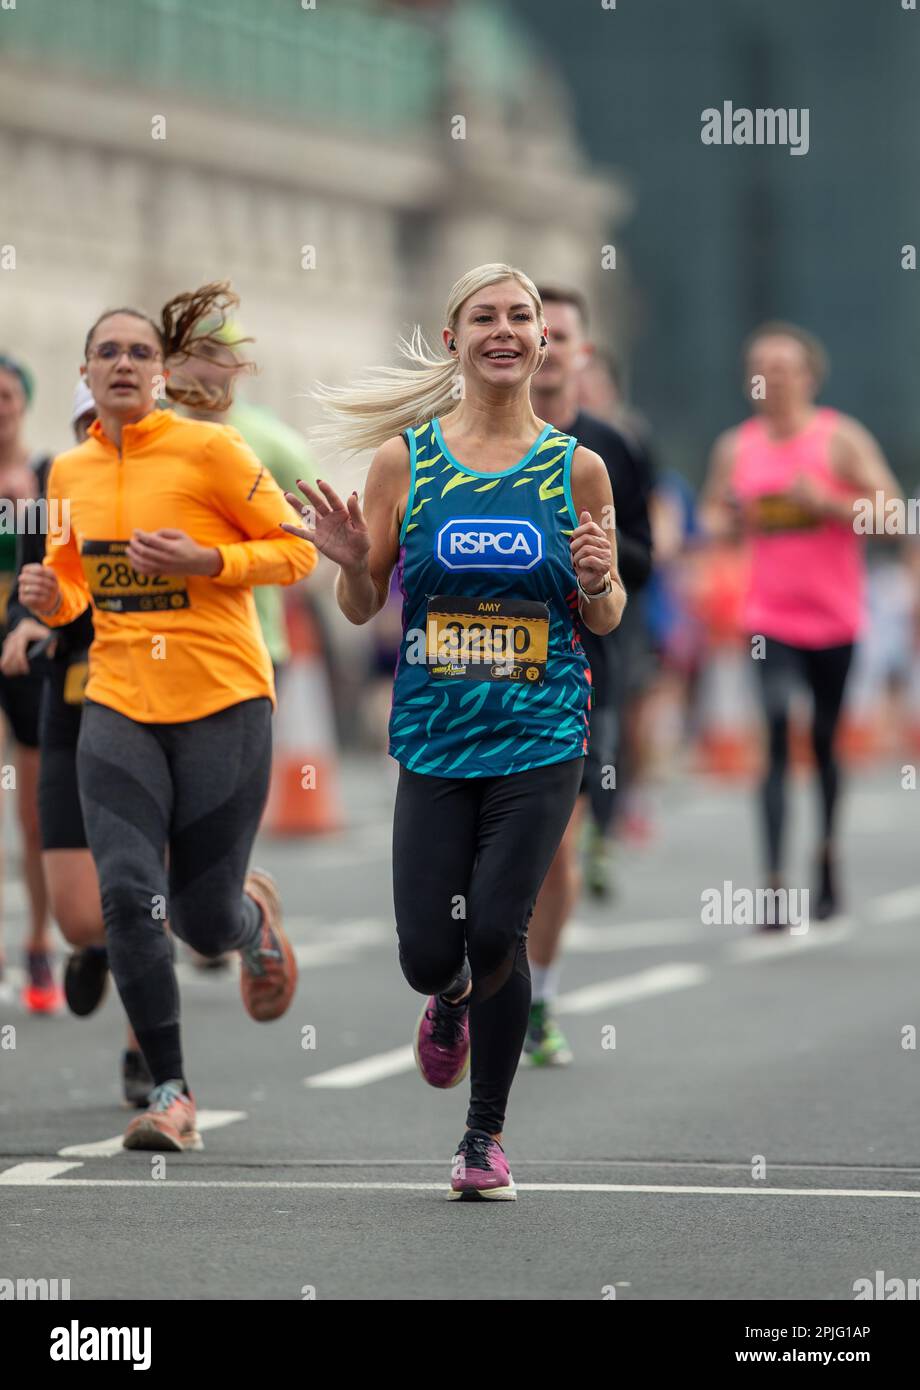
<point>83,402</point>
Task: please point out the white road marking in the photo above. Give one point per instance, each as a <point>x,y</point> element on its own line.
<point>34,1174</point>
<point>344,940</point>
<point>375,1068</point>
<point>583,938</point>
<point>643,985</point>
<point>331,943</point>
<point>105,1148</point>
<point>770,945</point>
<point>339,943</point>
<point>30,1175</point>
<point>895,907</point>
<point>661,979</point>
<point>336,943</point>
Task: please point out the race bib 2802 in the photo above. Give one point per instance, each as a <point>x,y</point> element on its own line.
<point>117,587</point>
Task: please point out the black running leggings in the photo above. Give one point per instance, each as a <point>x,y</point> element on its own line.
<point>197,788</point>
<point>469,856</point>
<point>782,669</point>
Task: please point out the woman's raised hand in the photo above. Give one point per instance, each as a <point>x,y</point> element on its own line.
<point>336,528</point>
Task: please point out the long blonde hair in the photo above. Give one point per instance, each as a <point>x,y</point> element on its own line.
<point>388,400</point>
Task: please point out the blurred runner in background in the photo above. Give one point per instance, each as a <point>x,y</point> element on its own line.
<point>20,695</point>
<point>555,392</point>
<point>601,390</point>
<point>70,874</point>
<point>789,477</point>
<point>281,449</point>
<point>284,453</point>
<point>675,631</point>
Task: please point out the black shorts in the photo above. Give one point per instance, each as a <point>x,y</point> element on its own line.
<point>59,813</point>
<point>20,697</point>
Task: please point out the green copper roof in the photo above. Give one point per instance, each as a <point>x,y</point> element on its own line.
<point>348,63</point>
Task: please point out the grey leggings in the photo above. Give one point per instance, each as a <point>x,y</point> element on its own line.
<point>196,789</point>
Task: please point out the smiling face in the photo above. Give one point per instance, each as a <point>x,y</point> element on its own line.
<point>12,408</point>
<point>123,361</point>
<point>497,336</point>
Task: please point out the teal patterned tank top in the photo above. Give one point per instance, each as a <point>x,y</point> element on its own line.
<point>491,677</point>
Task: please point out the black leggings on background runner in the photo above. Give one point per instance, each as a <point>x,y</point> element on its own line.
<point>782,670</point>
<point>197,788</point>
<point>469,856</point>
<point>59,813</point>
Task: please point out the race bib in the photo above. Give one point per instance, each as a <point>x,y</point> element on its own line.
<point>487,639</point>
<point>776,512</point>
<point>75,682</point>
<point>117,587</point>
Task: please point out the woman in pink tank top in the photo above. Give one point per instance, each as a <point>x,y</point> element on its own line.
<point>788,478</point>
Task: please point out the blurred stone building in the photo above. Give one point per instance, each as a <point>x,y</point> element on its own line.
<point>307,154</point>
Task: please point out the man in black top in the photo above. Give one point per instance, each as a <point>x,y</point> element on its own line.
<point>555,396</point>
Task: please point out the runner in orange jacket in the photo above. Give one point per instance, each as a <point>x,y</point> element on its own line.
<point>164,524</point>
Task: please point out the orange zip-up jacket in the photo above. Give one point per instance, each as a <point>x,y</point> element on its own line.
<point>174,647</point>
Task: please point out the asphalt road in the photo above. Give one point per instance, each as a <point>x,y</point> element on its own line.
<point>325,1168</point>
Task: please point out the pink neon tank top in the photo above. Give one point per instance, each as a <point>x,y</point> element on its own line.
<point>807,578</point>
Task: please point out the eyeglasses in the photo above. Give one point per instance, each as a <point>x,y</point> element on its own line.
<point>112,352</point>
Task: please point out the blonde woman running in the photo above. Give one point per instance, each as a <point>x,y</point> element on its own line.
<point>503,529</point>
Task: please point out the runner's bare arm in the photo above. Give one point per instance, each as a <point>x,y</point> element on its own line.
<point>364,544</point>
<point>385,492</point>
<point>857,460</point>
<point>593,542</point>
<point>718,511</point>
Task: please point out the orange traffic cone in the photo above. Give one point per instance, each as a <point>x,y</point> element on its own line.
<point>304,796</point>
<point>729,742</point>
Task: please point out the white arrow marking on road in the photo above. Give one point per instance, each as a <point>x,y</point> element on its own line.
<point>34,1174</point>
<point>643,985</point>
<point>105,1148</point>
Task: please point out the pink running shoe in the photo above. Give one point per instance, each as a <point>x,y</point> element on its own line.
<point>169,1122</point>
<point>480,1170</point>
<point>442,1042</point>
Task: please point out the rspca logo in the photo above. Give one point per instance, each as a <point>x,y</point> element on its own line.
<point>489,543</point>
